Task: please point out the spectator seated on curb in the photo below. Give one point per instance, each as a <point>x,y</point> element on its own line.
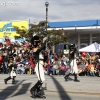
<point>88,68</point>
<point>23,61</point>
<point>46,66</point>
<point>81,68</point>
<point>68,69</point>
<point>92,70</point>
<point>51,70</point>
<point>62,69</point>
<point>55,66</point>
<point>98,68</point>
<point>1,69</point>
<point>28,69</point>
<point>32,64</point>
<point>20,69</point>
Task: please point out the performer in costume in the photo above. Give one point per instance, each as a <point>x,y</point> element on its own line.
<point>73,64</point>
<point>12,72</point>
<point>39,46</point>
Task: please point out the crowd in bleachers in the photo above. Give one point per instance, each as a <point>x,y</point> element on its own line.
<point>22,55</point>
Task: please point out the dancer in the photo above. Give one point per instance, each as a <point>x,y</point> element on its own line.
<point>73,64</point>
<point>39,46</point>
<point>12,72</point>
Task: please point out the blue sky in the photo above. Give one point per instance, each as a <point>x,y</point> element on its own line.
<point>58,10</point>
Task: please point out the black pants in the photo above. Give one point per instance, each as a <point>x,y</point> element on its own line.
<point>67,76</point>
<point>9,78</point>
<point>37,86</point>
<point>37,90</point>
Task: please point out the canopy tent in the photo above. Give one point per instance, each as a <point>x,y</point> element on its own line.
<point>95,47</point>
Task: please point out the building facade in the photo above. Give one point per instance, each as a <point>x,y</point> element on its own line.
<point>82,33</point>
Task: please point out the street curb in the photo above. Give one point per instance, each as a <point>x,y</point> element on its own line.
<point>59,91</point>
<point>75,92</point>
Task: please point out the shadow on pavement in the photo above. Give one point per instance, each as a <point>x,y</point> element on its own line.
<point>15,90</point>
<point>62,93</point>
<point>8,92</point>
<point>70,79</point>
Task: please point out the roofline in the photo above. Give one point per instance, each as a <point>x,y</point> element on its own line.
<point>73,28</point>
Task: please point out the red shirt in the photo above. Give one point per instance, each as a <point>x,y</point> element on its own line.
<point>88,67</point>
<point>1,60</point>
<point>98,66</point>
<point>63,67</point>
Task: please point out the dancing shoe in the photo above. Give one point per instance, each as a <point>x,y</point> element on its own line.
<point>5,81</point>
<point>13,82</point>
<point>41,96</point>
<point>66,78</point>
<point>77,80</point>
<point>33,93</point>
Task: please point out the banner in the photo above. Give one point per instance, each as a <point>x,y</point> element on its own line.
<point>7,29</point>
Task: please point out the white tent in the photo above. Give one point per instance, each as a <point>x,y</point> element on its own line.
<point>95,47</point>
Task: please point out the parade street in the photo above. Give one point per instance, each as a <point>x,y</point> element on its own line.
<point>57,88</point>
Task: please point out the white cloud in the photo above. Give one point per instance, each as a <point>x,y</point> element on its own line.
<point>58,10</point>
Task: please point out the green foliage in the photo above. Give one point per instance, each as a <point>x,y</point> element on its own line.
<point>39,29</point>
<point>21,31</point>
<point>54,36</point>
<point>57,36</point>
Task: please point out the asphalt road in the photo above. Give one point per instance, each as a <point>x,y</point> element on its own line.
<point>57,88</point>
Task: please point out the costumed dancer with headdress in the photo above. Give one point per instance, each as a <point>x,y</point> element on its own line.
<point>39,46</point>
<point>73,64</point>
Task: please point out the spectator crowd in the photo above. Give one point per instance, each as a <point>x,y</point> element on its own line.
<point>22,56</point>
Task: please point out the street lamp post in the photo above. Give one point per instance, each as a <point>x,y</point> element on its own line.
<point>46,4</point>
<point>76,35</point>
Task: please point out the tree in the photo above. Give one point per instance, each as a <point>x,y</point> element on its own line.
<point>22,32</point>
<point>57,36</point>
<point>54,36</point>
<point>38,29</point>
